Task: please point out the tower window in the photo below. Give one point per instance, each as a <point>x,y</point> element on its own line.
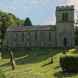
<point>65,17</point>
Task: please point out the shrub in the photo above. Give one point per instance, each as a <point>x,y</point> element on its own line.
<point>69,64</point>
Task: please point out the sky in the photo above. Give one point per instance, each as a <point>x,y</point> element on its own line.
<point>41,12</point>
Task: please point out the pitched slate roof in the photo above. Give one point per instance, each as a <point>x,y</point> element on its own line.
<point>34,27</point>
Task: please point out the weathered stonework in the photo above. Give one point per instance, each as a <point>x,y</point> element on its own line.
<point>44,36</point>
<point>64,28</point>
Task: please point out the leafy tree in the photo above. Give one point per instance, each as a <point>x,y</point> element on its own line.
<point>19,21</point>
<point>6,20</point>
<point>2,29</point>
<point>27,22</point>
<point>76,31</point>
<point>15,20</point>
<point>76,35</point>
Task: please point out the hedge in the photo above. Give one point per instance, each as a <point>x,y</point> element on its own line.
<point>69,64</point>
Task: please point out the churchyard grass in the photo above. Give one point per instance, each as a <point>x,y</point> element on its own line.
<point>31,65</point>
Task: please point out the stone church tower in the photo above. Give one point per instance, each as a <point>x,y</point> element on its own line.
<point>65,26</point>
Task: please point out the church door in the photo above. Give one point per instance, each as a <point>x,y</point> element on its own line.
<point>65,42</point>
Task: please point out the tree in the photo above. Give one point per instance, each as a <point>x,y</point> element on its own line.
<point>76,35</point>
<point>11,20</point>
<point>7,20</point>
<point>12,60</point>
<point>27,22</point>
<point>2,29</point>
<point>76,31</point>
<point>19,21</point>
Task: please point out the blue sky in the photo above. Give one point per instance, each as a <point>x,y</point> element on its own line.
<point>39,11</point>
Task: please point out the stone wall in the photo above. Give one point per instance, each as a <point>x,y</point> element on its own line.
<point>65,27</point>
<point>45,38</point>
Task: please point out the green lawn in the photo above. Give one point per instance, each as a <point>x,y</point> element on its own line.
<point>31,65</point>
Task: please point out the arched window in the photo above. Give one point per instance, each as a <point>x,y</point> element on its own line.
<point>49,36</point>
<point>35,35</point>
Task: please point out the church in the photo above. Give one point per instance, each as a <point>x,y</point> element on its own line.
<point>51,36</point>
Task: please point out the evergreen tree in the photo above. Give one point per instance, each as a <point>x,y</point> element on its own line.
<point>27,22</point>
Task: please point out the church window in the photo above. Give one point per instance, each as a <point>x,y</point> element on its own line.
<point>22,36</point>
<point>65,17</point>
<point>35,35</point>
<point>49,36</point>
<point>28,36</point>
<point>16,36</point>
<point>16,39</point>
<point>7,42</point>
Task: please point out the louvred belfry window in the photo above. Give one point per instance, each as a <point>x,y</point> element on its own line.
<point>65,16</point>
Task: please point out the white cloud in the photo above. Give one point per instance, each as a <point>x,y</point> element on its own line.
<point>68,2</point>
<point>42,2</point>
<point>36,2</point>
<point>73,2</point>
<point>49,21</point>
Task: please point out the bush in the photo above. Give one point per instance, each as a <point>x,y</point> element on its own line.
<point>69,64</point>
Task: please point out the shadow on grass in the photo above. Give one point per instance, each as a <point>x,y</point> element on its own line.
<point>57,67</point>
<point>60,74</point>
<point>17,53</point>
<point>35,56</point>
<point>6,64</point>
